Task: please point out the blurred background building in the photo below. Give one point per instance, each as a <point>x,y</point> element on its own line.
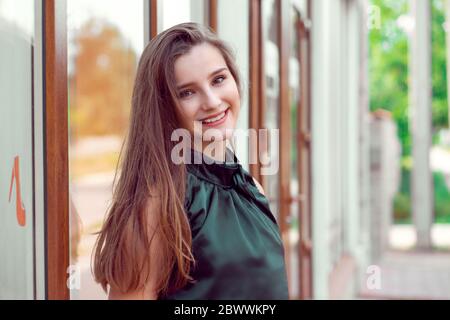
<point>357,88</point>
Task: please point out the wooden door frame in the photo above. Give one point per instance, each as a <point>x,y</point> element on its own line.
<point>256,77</point>
<point>284,29</point>
<point>212,14</point>
<point>56,163</point>
<point>304,139</point>
<point>153,18</point>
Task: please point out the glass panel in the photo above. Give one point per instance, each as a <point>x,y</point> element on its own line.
<point>16,145</point>
<point>105,39</point>
<point>272,74</point>
<point>233,27</point>
<point>179,11</point>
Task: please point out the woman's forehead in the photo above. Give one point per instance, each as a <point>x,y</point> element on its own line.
<point>200,62</point>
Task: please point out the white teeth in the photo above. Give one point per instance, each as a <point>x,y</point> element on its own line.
<point>219,117</point>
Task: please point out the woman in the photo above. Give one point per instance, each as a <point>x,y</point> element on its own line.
<point>196,229</point>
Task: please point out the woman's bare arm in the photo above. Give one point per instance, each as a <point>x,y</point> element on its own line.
<point>148,292</point>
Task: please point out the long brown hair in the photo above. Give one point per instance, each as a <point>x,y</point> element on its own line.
<point>122,251</point>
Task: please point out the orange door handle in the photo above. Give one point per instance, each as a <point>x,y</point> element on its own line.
<point>20,209</point>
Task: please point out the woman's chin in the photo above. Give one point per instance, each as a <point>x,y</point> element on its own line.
<point>218,134</point>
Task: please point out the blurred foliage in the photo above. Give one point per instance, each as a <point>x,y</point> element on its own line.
<point>402,208</point>
<point>439,67</point>
<point>388,66</point>
<point>402,200</point>
<point>441,198</point>
<point>100,87</point>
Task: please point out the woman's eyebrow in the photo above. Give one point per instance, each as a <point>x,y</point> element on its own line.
<point>211,75</point>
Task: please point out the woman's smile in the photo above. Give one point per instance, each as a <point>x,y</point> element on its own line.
<point>216,120</point>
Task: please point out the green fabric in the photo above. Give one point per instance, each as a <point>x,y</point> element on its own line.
<point>236,240</point>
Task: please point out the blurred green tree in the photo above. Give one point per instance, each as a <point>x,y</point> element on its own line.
<point>389,67</point>
<point>439,68</point>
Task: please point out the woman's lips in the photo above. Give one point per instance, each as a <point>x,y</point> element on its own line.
<point>220,118</point>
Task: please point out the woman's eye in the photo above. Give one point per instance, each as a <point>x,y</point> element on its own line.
<point>219,79</point>
<point>185,93</point>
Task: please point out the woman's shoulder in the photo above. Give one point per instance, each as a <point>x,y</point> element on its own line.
<point>259,186</point>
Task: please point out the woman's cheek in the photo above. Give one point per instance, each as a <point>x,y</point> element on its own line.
<point>191,116</point>
<point>233,92</point>
<point>186,110</point>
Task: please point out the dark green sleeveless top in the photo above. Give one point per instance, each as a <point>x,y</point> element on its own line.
<point>235,238</point>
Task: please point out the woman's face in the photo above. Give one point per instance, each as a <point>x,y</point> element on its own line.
<point>208,97</point>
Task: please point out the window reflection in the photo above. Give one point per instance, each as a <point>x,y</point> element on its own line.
<point>105,39</point>
<point>178,11</point>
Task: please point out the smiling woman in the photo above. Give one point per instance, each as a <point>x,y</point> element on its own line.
<point>195,230</point>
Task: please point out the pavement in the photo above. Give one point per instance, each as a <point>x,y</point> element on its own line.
<point>406,273</point>
<point>411,275</point>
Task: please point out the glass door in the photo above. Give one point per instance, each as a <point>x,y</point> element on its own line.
<point>105,40</point>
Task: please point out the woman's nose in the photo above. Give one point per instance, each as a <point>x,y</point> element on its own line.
<point>211,99</point>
